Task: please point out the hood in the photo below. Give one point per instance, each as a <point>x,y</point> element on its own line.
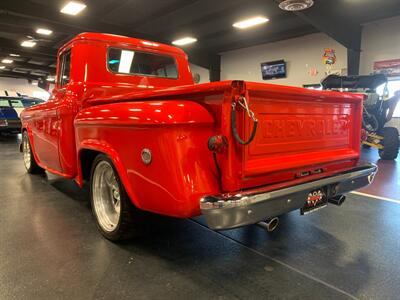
<point>353,82</point>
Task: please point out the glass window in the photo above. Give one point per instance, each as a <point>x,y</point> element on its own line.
<point>17,103</point>
<point>65,68</point>
<point>393,86</point>
<point>141,63</point>
<point>4,102</point>
<point>28,103</point>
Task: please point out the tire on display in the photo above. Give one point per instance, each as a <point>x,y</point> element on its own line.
<point>390,143</point>
<point>30,163</point>
<point>111,206</point>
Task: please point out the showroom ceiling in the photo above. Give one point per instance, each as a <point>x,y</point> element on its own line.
<point>209,21</point>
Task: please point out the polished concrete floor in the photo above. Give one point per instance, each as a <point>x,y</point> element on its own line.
<point>50,249</point>
<point>387,180</point>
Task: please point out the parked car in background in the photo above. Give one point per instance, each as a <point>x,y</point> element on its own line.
<point>10,109</point>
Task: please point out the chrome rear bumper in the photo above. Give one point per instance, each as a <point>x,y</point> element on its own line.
<point>251,206</point>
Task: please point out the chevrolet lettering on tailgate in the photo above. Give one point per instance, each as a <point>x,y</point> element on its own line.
<point>286,126</point>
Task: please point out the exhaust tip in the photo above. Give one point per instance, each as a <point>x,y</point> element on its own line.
<point>270,225</point>
<point>337,200</point>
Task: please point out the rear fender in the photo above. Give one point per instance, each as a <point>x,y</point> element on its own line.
<point>108,150</point>
<point>169,128</point>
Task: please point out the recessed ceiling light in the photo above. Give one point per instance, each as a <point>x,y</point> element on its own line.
<point>250,22</point>
<point>14,55</point>
<point>184,41</point>
<point>7,61</point>
<point>2,67</point>
<point>44,31</point>
<point>296,5</point>
<point>73,8</point>
<point>28,44</point>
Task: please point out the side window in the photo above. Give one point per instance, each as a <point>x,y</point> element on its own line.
<point>16,103</point>
<point>65,68</point>
<point>4,103</point>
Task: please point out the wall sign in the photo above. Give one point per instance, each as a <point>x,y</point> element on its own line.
<point>329,57</point>
<point>387,67</point>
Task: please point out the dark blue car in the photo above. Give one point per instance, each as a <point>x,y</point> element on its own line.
<point>10,109</point>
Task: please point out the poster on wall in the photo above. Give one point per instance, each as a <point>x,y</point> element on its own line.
<point>388,67</point>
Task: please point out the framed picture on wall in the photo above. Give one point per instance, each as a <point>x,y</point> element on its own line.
<point>273,69</point>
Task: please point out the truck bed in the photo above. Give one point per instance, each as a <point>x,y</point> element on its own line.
<point>300,132</point>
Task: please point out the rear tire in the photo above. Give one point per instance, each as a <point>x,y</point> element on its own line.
<point>390,143</point>
<point>113,210</point>
<point>30,163</point>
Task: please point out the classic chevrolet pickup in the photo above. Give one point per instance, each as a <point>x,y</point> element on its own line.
<point>126,117</point>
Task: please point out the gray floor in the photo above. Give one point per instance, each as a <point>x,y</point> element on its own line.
<point>50,249</point>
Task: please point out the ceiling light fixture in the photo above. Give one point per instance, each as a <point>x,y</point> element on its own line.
<point>296,5</point>
<point>184,41</point>
<point>14,55</point>
<point>250,22</point>
<point>2,67</point>
<point>28,44</point>
<point>7,61</point>
<point>44,31</point>
<point>51,79</point>
<point>73,8</point>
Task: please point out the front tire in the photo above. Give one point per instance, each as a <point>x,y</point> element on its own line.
<point>390,143</point>
<point>30,163</point>
<point>111,206</point>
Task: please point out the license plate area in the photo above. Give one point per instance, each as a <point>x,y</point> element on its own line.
<point>316,200</point>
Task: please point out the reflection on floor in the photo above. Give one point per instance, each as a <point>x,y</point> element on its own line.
<point>387,180</point>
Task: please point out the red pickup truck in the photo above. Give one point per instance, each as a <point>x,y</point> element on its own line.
<point>125,116</point>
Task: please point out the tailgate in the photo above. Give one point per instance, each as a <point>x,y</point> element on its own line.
<point>300,132</point>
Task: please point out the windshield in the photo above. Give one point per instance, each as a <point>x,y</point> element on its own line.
<point>141,63</point>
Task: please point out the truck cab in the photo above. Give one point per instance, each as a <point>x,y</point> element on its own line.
<point>126,117</point>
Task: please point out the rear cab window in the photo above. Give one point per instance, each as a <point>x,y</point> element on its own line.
<point>124,61</point>
<point>65,69</point>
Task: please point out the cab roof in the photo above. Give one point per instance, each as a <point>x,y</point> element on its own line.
<point>113,38</point>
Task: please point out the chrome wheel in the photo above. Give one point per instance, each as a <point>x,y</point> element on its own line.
<point>26,150</point>
<point>106,196</point>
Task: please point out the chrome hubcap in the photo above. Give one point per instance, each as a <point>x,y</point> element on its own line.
<point>106,196</point>
<point>26,152</point>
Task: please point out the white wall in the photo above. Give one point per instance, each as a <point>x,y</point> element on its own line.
<point>22,86</point>
<point>301,54</point>
<point>380,41</point>
<point>203,72</point>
